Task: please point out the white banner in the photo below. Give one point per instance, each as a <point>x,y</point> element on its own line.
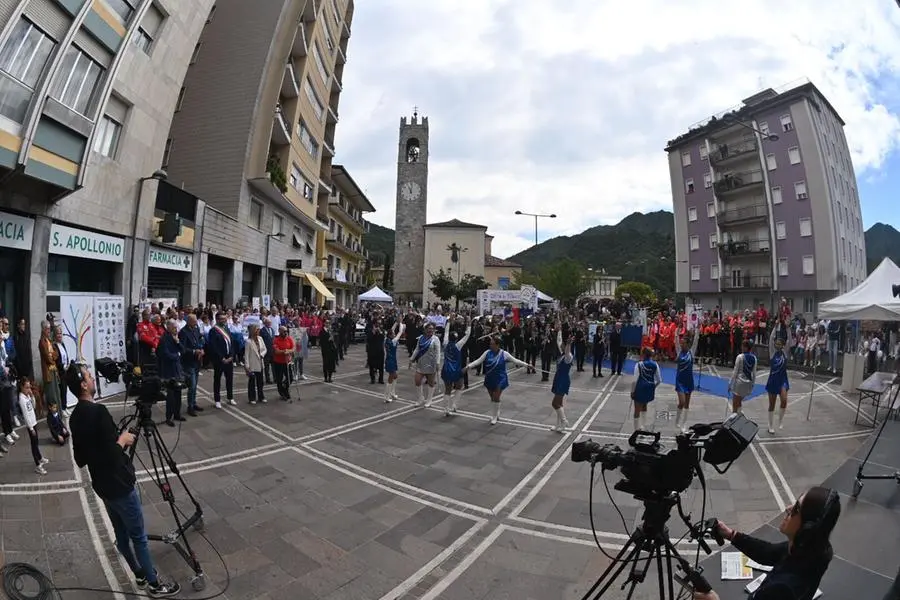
<point>527,296</point>
<point>109,338</point>
<point>76,317</point>
<point>15,231</point>
<point>639,317</point>
<point>69,241</point>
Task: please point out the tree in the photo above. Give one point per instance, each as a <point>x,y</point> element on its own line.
<point>386,282</point>
<point>442,285</point>
<point>468,287</point>
<point>641,293</point>
<point>565,280</point>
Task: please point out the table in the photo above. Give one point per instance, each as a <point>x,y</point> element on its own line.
<point>873,388</point>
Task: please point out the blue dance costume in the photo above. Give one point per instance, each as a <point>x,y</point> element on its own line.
<point>561,379</point>
<point>495,376</point>
<point>647,377</point>
<point>778,377</point>
<point>390,355</point>
<point>684,379</point>
<point>452,371</point>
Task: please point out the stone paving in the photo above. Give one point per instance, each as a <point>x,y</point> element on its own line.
<point>341,496</point>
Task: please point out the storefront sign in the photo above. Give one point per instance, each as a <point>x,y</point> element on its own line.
<point>163,258</point>
<point>69,241</point>
<point>15,231</point>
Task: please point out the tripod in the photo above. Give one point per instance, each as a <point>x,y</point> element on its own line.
<point>162,463</point>
<point>860,476</point>
<point>651,537</point>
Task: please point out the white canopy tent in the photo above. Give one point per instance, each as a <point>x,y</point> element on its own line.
<point>871,300</point>
<point>542,297</point>
<point>376,294</point>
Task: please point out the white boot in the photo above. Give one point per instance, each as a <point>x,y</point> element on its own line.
<point>387,392</point>
<point>454,396</point>
<point>561,422</point>
<point>684,420</point>
<point>448,402</point>
<point>637,422</point>
<point>429,393</point>
<point>781,417</point>
<point>646,423</point>
<point>420,395</point>
<point>394,390</point>
<point>495,412</point>
<point>772,422</point>
<point>679,415</point>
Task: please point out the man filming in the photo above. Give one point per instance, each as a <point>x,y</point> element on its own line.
<point>97,444</point>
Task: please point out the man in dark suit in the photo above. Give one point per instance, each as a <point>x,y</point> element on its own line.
<point>193,342</point>
<point>168,356</point>
<point>375,351</point>
<point>267,334</point>
<point>616,350</point>
<point>221,352</point>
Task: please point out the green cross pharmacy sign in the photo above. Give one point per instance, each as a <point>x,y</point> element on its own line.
<point>172,260</point>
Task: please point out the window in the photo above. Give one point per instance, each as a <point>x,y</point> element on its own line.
<point>688,186</point>
<point>320,65</point>
<point>771,163</point>
<point>307,140</point>
<point>809,305</point>
<point>334,11</point>
<point>776,195</point>
<point>686,159</point>
<point>106,139</point>
<point>503,283</point>
<point>692,213</point>
<point>786,123</point>
<point>800,190</point>
<point>782,267</point>
<point>764,128</point>
<point>167,153</point>
<point>809,265</point>
<point>703,153</point>
<point>805,227</point>
<point>255,213</point>
<point>76,82</point>
<point>780,230</point>
<point>277,224</point>
<point>713,240</point>
<point>196,53</point>
<point>295,178</point>
<point>711,210</point>
<point>329,39</point>
<point>695,242</point>
<point>713,271</point>
<point>313,99</point>
<point>180,99</point>
<point>707,180</point>
<point>794,155</point>
<point>695,272</point>
<point>22,61</point>
<point>121,8</point>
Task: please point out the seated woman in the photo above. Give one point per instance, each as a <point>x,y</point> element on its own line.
<point>800,562</point>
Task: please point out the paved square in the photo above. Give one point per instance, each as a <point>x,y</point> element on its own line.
<point>340,495</point>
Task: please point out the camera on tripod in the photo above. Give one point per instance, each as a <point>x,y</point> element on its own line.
<point>148,388</point>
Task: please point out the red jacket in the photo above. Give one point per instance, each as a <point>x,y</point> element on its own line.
<point>282,343</point>
<point>149,334</point>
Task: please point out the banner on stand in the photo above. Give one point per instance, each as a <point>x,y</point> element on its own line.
<point>694,312</point>
<point>76,317</point>
<point>167,303</point>
<point>109,338</point>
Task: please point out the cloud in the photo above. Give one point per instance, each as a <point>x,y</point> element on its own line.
<point>567,110</point>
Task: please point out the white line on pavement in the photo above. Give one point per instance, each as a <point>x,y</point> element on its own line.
<point>784,484</point>
<point>98,545</point>
<point>779,500</point>
<point>463,565</point>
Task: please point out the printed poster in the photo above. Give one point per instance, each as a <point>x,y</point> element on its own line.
<point>76,317</point>
<point>109,338</point>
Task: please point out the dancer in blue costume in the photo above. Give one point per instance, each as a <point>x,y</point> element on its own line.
<point>390,361</point>
<point>427,359</point>
<point>561,381</point>
<point>495,377</point>
<point>647,377</point>
<point>777,385</point>
<point>451,372</point>
<point>744,376</point>
<point>684,379</point>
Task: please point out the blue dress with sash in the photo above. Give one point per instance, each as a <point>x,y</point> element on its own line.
<point>684,379</point>
<point>451,372</point>
<point>495,376</point>
<point>561,379</point>
<point>390,355</point>
<point>645,389</point>
<point>778,377</point>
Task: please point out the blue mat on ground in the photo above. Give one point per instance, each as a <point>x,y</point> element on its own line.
<point>710,384</point>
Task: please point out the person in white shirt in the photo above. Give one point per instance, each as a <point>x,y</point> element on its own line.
<point>26,403</point>
<point>743,378</point>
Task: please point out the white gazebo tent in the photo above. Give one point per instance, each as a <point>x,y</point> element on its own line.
<point>542,297</point>
<point>871,300</point>
<point>376,294</point>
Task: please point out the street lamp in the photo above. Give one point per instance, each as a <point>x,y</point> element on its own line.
<point>769,137</point>
<point>158,175</point>
<point>271,236</point>
<point>455,250</point>
<point>536,217</point>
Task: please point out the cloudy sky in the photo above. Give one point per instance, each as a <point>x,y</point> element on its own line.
<point>566,110</point>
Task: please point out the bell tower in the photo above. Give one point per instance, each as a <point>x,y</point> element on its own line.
<point>412,208</point>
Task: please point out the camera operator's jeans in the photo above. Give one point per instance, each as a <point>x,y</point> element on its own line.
<point>191,375</point>
<point>127,519</point>
<point>833,354</point>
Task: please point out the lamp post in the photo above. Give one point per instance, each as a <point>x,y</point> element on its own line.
<point>455,250</point>
<point>269,237</point>
<point>158,175</point>
<point>536,217</point>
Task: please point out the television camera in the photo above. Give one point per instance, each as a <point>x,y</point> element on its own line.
<point>147,387</point>
<point>656,475</point>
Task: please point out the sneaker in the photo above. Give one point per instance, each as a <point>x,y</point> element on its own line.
<point>17,421</point>
<point>264,401</point>
<point>14,434</point>
<point>232,402</point>
<point>140,582</point>
<point>218,405</point>
<point>163,590</point>
<point>10,439</point>
<point>40,470</point>
<point>303,378</point>
<point>45,461</point>
<point>253,402</point>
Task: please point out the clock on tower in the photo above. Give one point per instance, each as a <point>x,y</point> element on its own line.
<point>412,205</point>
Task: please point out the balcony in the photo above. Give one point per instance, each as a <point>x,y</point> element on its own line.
<point>300,47</point>
<point>724,154</point>
<point>740,181</point>
<point>328,149</point>
<point>746,214</point>
<point>324,187</point>
<point>738,281</point>
<point>310,10</point>
<point>340,58</point>
<point>281,130</point>
<point>745,249</point>
<point>332,116</point>
<point>336,85</point>
<point>289,86</point>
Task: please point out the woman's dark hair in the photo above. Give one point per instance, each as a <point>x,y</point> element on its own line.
<point>819,513</point>
<point>747,345</point>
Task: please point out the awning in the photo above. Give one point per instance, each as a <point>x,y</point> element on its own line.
<point>320,287</point>
<point>297,273</point>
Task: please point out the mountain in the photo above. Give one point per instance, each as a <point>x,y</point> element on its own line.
<point>379,241</point>
<point>882,240</point>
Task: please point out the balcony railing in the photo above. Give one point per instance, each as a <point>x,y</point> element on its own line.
<point>725,152</point>
<point>743,214</point>
<point>335,202</point>
<point>739,281</point>
<point>736,249</point>
<point>281,130</point>
<point>289,86</point>
<point>737,181</point>
<point>300,45</point>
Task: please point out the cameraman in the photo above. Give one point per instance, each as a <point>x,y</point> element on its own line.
<point>801,561</point>
<point>97,444</point>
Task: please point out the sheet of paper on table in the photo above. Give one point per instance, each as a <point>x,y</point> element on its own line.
<point>734,566</point>
<point>758,567</point>
<point>754,585</point>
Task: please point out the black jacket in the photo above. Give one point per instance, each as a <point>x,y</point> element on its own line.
<point>95,444</point>
<point>795,576</point>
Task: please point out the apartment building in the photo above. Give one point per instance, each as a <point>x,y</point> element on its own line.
<point>87,92</point>
<point>766,205</point>
<point>253,137</point>
<point>342,244</point>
